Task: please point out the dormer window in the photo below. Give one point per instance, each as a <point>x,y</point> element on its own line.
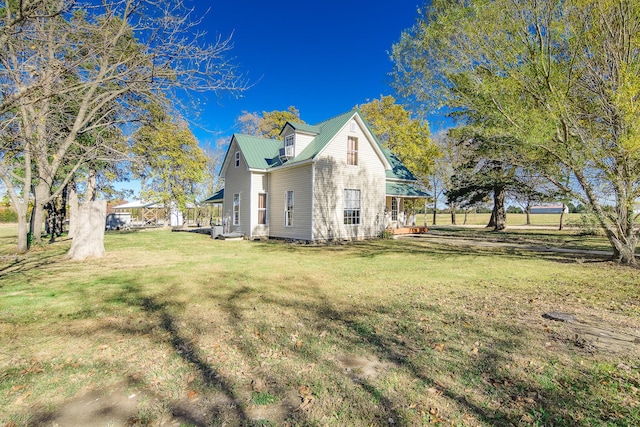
<point>289,142</point>
<point>237,159</point>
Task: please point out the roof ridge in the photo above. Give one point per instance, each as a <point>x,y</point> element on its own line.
<point>353,110</point>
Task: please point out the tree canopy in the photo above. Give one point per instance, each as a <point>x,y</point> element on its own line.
<point>170,162</point>
<point>269,123</point>
<point>560,80</point>
<point>71,74</point>
<point>408,137</point>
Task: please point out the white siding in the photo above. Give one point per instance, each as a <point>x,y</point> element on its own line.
<point>333,176</point>
<point>301,140</point>
<point>237,180</point>
<point>259,184</point>
<point>298,179</point>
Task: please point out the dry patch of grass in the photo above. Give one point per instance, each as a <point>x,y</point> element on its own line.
<point>204,332</point>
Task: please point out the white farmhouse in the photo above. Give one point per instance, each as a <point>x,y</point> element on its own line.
<point>330,181</point>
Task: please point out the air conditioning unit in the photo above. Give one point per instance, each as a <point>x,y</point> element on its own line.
<point>285,153</point>
<point>288,151</point>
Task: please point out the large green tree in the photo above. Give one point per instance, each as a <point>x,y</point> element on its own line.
<point>561,80</point>
<point>408,137</point>
<point>170,162</point>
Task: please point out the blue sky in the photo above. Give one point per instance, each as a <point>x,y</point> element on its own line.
<point>323,57</point>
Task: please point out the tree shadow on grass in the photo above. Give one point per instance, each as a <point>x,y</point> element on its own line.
<point>499,395</point>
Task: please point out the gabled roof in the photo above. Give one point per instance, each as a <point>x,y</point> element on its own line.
<point>303,127</point>
<point>218,197</point>
<point>398,170</point>
<point>263,153</point>
<point>259,153</point>
<point>328,129</point>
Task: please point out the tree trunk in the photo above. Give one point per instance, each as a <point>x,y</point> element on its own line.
<point>561,218</point>
<point>623,248</point>
<point>89,237</point>
<point>41,194</point>
<point>498,214</point>
<point>528,212</point>
<point>23,231</point>
<point>72,197</point>
<point>452,209</point>
<point>435,205</point>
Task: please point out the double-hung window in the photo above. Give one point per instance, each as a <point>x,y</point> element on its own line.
<point>394,209</point>
<point>288,208</point>
<point>352,150</point>
<point>289,142</point>
<point>351,207</point>
<point>262,208</point>
<point>236,209</point>
<point>237,159</point>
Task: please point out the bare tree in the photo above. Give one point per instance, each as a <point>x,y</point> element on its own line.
<point>82,74</point>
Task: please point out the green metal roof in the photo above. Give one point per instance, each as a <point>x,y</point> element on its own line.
<point>263,153</point>
<point>328,129</point>
<point>305,127</point>
<point>218,197</point>
<point>259,153</point>
<point>405,190</point>
<point>398,169</point>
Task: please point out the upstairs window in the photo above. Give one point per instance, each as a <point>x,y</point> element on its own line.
<point>289,142</point>
<point>351,207</point>
<point>237,159</point>
<point>352,151</point>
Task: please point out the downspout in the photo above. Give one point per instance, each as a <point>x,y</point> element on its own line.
<point>250,208</point>
<point>313,198</point>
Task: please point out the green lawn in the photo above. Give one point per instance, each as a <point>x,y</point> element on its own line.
<point>387,332</point>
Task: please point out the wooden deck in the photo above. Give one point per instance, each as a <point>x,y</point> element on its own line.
<point>409,230</point>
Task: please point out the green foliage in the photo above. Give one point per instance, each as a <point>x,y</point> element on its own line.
<point>269,124</point>
<point>171,163</point>
<point>407,137</point>
<point>559,78</point>
<point>8,215</point>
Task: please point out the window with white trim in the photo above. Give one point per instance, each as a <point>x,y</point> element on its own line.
<point>236,209</point>
<point>394,209</point>
<point>352,150</point>
<point>351,207</point>
<point>288,208</point>
<point>289,142</point>
<point>237,158</point>
<point>353,125</point>
<point>262,208</point>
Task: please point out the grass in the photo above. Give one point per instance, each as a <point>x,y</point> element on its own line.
<point>416,332</point>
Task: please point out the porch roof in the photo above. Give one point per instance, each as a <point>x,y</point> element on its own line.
<point>404,189</point>
<point>218,197</point>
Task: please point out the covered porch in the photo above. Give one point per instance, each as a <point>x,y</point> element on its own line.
<point>400,208</point>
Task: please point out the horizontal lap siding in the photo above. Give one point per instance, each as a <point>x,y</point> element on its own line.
<point>333,176</point>
<point>299,180</point>
<point>238,180</point>
<point>259,184</point>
